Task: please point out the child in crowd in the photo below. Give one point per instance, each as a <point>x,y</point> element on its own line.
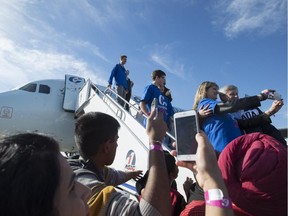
<point>177,200</point>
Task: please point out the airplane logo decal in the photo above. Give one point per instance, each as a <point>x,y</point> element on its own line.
<point>75,79</point>
<point>6,112</point>
<point>130,161</point>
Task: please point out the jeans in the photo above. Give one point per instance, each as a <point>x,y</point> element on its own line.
<point>121,92</point>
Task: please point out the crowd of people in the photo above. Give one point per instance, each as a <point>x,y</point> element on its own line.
<point>240,167</point>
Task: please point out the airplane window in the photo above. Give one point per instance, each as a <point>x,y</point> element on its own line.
<point>31,87</point>
<point>44,89</point>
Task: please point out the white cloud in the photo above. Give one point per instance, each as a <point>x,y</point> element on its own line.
<point>169,64</point>
<point>264,17</point>
<point>162,57</point>
<point>88,46</point>
<point>32,49</point>
<point>19,65</point>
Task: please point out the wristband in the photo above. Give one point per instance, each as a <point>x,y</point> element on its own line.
<point>156,146</point>
<point>156,143</point>
<point>215,197</point>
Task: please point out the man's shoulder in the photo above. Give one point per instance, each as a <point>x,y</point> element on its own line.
<point>116,66</point>
<point>152,87</point>
<point>149,91</point>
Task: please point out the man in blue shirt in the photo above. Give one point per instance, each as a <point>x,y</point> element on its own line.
<point>119,75</point>
<point>153,91</point>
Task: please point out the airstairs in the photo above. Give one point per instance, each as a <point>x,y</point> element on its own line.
<point>132,151</point>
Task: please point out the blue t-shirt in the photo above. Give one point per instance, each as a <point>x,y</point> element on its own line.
<point>220,128</point>
<point>119,74</point>
<point>164,105</point>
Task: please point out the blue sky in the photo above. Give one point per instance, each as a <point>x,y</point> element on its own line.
<point>236,42</point>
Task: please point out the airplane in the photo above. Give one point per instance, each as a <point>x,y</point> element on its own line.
<point>45,106</point>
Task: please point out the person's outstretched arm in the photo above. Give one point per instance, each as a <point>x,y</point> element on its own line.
<point>241,103</point>
<point>208,175</point>
<point>136,174</point>
<point>157,189</point>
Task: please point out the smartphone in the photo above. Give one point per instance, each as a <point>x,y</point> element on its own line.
<point>154,105</point>
<point>274,95</point>
<point>186,127</point>
<point>277,96</point>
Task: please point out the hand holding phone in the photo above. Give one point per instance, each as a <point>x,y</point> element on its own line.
<point>274,96</point>
<point>186,127</point>
<point>277,96</point>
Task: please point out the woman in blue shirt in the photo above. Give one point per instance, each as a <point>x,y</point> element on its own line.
<point>219,126</point>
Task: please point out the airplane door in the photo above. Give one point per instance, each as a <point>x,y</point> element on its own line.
<point>73,84</point>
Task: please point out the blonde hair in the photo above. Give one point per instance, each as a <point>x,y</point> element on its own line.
<point>202,92</point>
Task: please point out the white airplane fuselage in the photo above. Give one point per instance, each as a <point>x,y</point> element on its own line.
<point>38,111</point>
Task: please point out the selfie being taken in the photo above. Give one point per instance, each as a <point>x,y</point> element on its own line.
<point>143,108</point>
